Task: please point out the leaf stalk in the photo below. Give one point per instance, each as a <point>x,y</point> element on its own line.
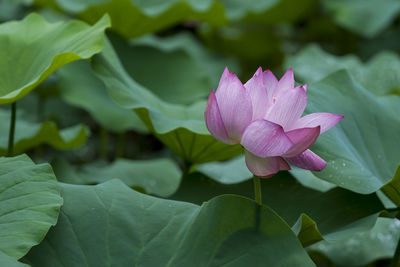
<point>10,151</point>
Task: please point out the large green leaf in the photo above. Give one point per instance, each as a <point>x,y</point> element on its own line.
<point>314,215</point>
<point>181,128</point>
<point>366,17</point>
<point>176,68</point>
<point>362,150</point>
<point>79,87</point>
<point>30,134</point>
<point>32,49</point>
<point>159,177</point>
<point>120,227</point>
<point>364,247</point>
<point>29,204</point>
<point>381,75</point>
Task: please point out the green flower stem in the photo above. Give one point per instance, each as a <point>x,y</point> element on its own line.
<point>257,190</point>
<point>11,134</point>
<point>186,166</point>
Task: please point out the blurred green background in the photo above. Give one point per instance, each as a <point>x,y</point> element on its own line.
<point>255,33</point>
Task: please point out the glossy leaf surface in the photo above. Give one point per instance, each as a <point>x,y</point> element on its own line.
<point>32,49</point>
<point>336,213</point>
<point>174,230</point>
<point>81,88</point>
<point>364,247</point>
<point>361,151</point>
<point>29,204</point>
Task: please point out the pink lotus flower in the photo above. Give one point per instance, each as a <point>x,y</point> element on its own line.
<point>264,116</point>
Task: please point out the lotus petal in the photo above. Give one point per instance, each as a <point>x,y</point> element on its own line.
<point>325,120</point>
<point>258,94</point>
<point>308,160</point>
<point>266,139</point>
<point>234,105</point>
<point>265,167</point>
<point>302,139</point>
<point>214,121</point>
<point>288,107</point>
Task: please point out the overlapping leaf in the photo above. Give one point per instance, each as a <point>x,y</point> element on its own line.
<point>29,135</point>
<point>362,150</point>
<point>380,75</point>
<point>235,171</point>
<point>313,215</point>
<point>136,229</point>
<point>159,177</point>
<point>29,205</point>
<point>365,247</point>
<point>32,49</point>
<point>176,68</point>
<point>181,128</point>
<point>79,87</point>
